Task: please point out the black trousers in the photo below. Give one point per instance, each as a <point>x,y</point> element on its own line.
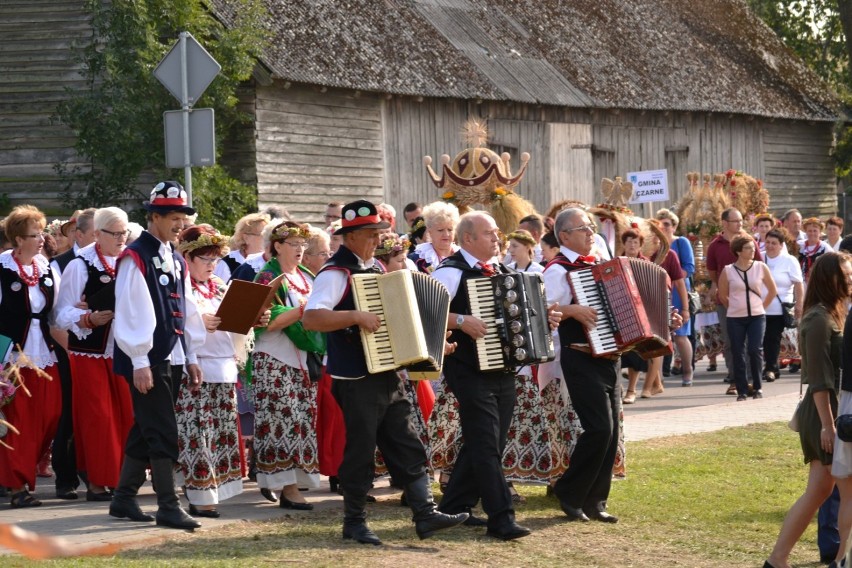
<point>376,413</point>
<point>772,343</point>
<point>486,404</point>
<point>592,385</point>
<point>154,433</point>
<point>64,454</point>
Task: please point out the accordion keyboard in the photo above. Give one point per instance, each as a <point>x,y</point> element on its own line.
<point>489,349</point>
<point>377,345</point>
<point>587,290</point>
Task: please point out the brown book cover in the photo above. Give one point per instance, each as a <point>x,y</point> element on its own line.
<point>244,303</point>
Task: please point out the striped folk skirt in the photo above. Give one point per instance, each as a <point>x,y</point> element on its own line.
<point>208,443</point>
<point>285,437</point>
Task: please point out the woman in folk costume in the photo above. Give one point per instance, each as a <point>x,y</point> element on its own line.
<point>440,220</point>
<point>285,440</point>
<point>521,245</point>
<point>27,296</point>
<point>812,248</point>
<point>247,240</point>
<point>102,408</point>
<point>209,446</point>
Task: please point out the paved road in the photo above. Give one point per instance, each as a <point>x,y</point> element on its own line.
<point>701,408</point>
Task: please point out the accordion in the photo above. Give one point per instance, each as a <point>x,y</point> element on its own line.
<point>413,309</point>
<point>632,301</point>
<point>514,309</point>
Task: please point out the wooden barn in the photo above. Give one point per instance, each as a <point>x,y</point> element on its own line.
<point>349,97</point>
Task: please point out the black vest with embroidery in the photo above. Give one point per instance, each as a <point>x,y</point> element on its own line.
<point>345,349</point>
<point>15,307</point>
<point>460,304</point>
<point>570,330</point>
<point>96,341</point>
<point>168,298</point>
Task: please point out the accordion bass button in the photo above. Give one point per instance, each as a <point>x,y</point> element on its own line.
<point>516,326</point>
<point>520,354</point>
<point>518,340</point>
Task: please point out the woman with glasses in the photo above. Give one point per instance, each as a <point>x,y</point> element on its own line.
<point>285,441</point>
<point>208,464</point>
<point>247,240</point>
<point>318,250</point>
<point>102,409</point>
<point>27,295</point>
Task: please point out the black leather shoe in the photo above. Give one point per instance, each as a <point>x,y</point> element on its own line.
<point>128,509</point>
<point>209,513</point>
<point>474,521</point>
<point>102,496</point>
<point>601,516</point>
<point>67,494</point>
<point>573,513</point>
<point>437,521</point>
<point>509,532</point>
<point>269,495</point>
<point>285,503</point>
<point>176,518</point>
<point>360,533</point>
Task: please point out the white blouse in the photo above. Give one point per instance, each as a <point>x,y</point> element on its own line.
<point>222,270</point>
<point>135,320</point>
<point>276,343</point>
<point>216,356</point>
<point>35,347</point>
<point>74,281</point>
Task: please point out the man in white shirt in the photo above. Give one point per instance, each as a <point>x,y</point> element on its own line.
<point>157,332</point>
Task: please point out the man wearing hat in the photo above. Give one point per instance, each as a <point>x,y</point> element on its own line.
<point>157,331</point>
<point>375,410</point>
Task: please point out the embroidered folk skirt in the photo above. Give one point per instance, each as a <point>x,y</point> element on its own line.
<point>208,443</point>
<point>285,439</point>
<point>36,417</point>
<point>102,412</point>
<point>444,428</point>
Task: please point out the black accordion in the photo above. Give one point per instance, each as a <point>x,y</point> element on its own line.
<point>514,309</point>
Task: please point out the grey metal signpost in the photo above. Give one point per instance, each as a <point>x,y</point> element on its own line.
<point>186,71</point>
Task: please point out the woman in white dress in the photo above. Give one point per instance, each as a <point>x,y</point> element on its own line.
<point>441,219</point>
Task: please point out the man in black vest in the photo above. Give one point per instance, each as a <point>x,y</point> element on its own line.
<point>592,382</point>
<point>157,330</point>
<point>486,398</point>
<point>375,410</point>
<point>64,459</point>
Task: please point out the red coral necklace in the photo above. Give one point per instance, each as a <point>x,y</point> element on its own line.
<point>107,268</point>
<point>211,287</point>
<point>28,280</point>
<point>303,291</point>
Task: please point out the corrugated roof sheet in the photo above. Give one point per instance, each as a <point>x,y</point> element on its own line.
<point>712,55</point>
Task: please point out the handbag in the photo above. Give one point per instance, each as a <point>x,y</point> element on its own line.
<point>843,424</point>
<point>314,366</point>
<point>694,301</point>
<point>788,313</point>
<point>793,424</point>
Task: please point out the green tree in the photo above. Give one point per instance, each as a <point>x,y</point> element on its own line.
<point>118,119</point>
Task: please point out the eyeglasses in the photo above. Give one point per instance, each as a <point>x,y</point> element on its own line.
<point>588,228</point>
<point>247,234</point>
<point>300,244</point>
<point>209,260</point>
<point>116,234</point>
<point>35,236</point>
<point>322,254</point>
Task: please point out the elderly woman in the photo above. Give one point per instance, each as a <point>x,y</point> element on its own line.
<point>247,240</point>
<point>318,250</point>
<point>27,296</point>
<point>521,248</point>
<point>102,408</point>
<point>680,247</point>
<point>208,440</point>
<point>285,441</point>
<point>787,275</point>
<point>812,248</point>
<point>746,289</point>
<point>441,219</point>
<point>821,345</point>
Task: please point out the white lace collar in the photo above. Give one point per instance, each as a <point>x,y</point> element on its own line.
<point>7,261</point>
<point>428,253</point>
<point>256,261</point>
<point>90,255</point>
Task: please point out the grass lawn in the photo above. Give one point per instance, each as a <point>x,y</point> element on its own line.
<point>709,500</point>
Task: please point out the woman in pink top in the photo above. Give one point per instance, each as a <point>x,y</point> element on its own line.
<point>741,287</point>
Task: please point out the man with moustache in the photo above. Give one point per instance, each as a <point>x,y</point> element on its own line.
<point>157,331</point>
<point>592,381</point>
<point>375,409</point>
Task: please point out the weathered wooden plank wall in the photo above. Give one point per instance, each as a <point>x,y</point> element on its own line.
<point>313,148</point>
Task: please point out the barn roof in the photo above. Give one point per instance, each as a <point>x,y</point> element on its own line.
<point>707,56</point>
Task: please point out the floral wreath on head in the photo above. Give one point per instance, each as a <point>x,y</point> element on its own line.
<point>521,238</point>
<point>283,232</point>
<point>391,245</point>
<point>421,224</point>
<point>204,240</point>
<point>813,221</point>
<point>54,227</point>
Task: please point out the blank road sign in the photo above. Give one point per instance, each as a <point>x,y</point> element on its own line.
<point>201,69</point>
<point>202,138</point>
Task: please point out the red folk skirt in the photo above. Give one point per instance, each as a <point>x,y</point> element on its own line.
<point>36,417</point>
<point>103,414</point>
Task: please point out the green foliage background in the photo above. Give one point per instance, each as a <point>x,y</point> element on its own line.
<point>118,120</point>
